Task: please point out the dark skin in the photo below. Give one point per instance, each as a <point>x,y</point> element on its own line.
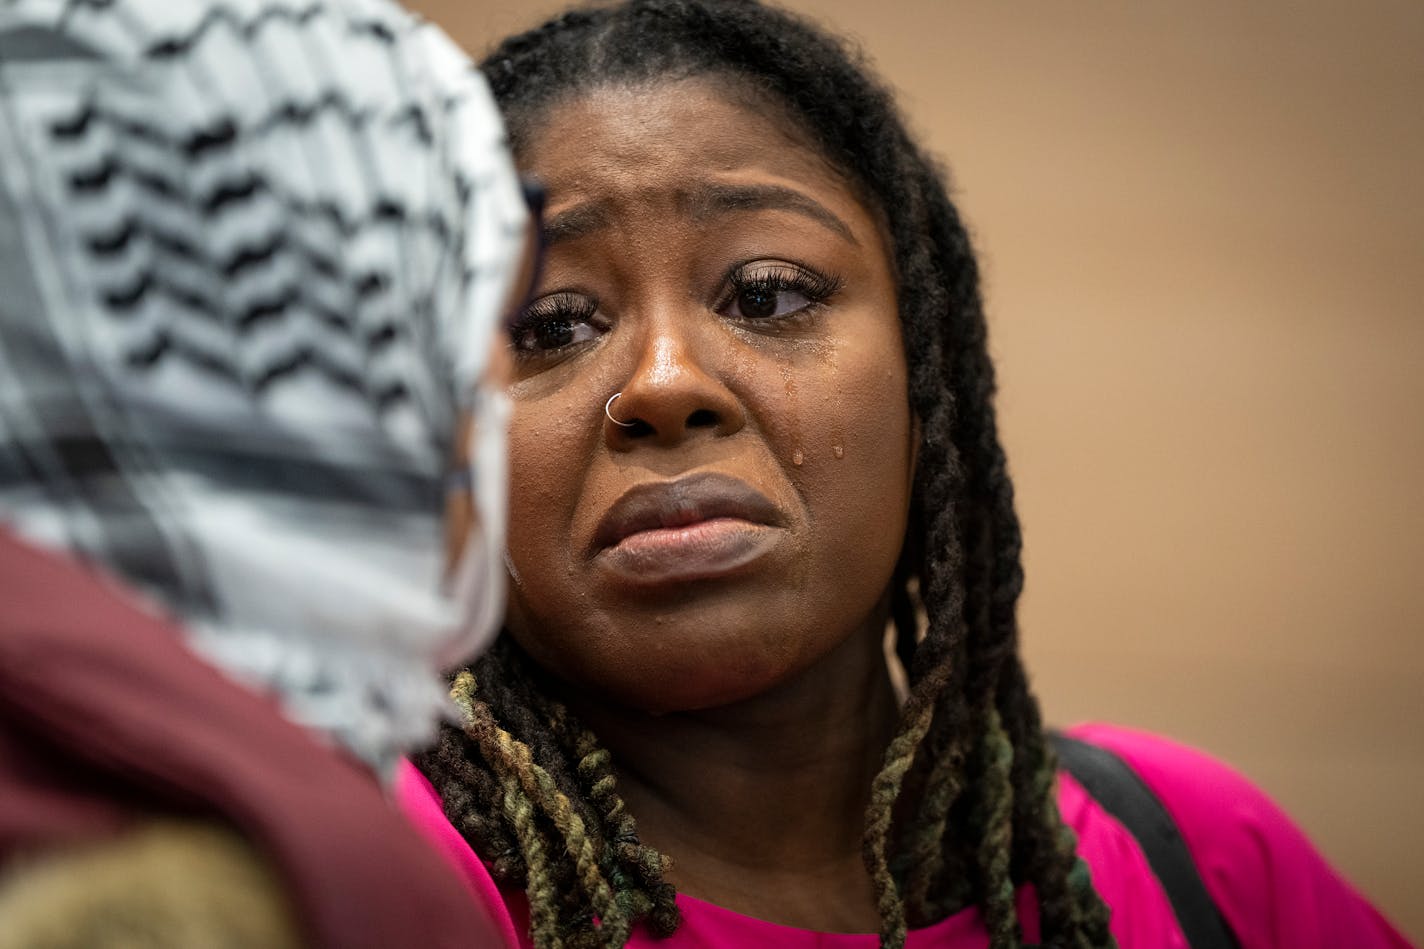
<point>717,272</point>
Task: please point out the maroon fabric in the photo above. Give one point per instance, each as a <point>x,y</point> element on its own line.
<point>105,717</point>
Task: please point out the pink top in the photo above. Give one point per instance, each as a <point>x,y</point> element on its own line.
<point>1271,885</point>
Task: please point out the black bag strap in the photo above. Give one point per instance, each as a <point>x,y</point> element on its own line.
<point>1115,786</point>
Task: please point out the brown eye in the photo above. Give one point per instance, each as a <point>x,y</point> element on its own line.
<point>773,292</point>
<point>757,302</point>
<point>554,323</point>
<point>552,334</point>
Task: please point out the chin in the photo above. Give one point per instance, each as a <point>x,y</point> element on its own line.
<point>675,664</point>
<point>698,687</point>
<point>711,646</point>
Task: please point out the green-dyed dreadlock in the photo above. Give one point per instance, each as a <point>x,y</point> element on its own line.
<point>533,791</point>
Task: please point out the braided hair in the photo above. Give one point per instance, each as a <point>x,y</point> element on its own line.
<point>962,810</point>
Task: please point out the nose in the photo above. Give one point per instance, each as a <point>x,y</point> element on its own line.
<point>674,393</point>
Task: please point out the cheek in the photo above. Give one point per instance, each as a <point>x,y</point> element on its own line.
<point>541,487</point>
<point>857,480</point>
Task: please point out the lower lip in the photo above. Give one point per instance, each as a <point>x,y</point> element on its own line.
<point>700,551</point>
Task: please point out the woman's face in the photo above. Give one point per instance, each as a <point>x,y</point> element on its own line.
<point>707,264</point>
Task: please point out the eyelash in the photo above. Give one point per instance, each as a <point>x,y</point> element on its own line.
<point>573,310</point>
<point>782,278</point>
<point>548,312</point>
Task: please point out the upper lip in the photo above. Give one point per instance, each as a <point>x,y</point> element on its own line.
<point>688,500</point>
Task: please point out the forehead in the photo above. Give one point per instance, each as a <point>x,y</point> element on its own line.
<point>626,146</point>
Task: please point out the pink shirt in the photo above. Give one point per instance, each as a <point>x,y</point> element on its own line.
<point>1271,885</point>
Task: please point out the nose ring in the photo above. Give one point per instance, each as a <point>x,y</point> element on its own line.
<point>608,411</point>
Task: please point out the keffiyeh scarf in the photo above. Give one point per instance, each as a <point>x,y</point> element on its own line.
<point>252,257</point>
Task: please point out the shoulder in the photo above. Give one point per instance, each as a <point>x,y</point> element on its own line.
<point>1215,807</point>
<point>1269,881</point>
<point>418,800</point>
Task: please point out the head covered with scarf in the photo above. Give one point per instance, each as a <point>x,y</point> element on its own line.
<point>252,258</point>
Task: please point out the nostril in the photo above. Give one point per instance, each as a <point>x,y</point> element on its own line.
<point>702,418</point>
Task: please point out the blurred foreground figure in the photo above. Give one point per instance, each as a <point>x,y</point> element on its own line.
<point>253,257</point>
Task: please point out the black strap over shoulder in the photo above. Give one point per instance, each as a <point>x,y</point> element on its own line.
<point>1115,786</point>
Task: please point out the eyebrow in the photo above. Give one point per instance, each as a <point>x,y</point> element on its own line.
<point>714,199</point>
<point>706,201</point>
<point>578,221</point>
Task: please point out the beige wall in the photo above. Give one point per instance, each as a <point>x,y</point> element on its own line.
<point>1203,232</point>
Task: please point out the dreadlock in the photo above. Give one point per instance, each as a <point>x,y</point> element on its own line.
<point>962,811</point>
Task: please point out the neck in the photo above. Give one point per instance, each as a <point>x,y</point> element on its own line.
<point>761,804</point>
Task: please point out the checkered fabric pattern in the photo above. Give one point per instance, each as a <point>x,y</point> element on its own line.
<point>252,256</point>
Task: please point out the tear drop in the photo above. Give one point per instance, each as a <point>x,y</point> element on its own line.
<point>797,457</point>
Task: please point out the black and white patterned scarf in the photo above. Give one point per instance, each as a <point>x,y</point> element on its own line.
<point>252,256</point>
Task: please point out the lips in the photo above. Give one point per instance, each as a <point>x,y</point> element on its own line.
<point>696,527</point>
